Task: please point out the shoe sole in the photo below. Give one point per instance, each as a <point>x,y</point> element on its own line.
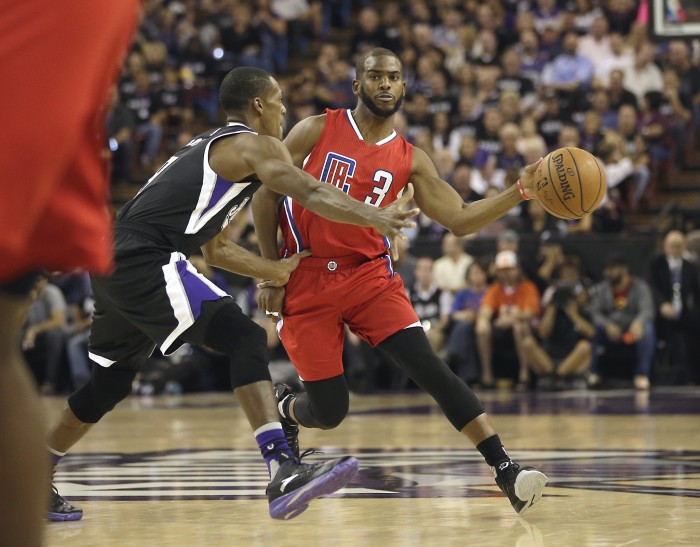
<point>296,502</point>
<point>60,517</point>
<point>528,487</point>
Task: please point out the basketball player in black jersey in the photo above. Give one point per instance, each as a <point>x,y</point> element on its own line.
<point>156,298</point>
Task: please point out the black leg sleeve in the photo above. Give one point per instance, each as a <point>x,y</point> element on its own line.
<point>325,403</point>
<point>412,352</point>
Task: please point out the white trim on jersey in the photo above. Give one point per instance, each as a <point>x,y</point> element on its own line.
<point>178,300</point>
<point>359,135</point>
<point>290,220</point>
<point>178,296</point>
<point>199,218</point>
<point>416,324</point>
<point>102,361</point>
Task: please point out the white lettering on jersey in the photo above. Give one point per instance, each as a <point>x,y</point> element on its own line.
<point>233,212</point>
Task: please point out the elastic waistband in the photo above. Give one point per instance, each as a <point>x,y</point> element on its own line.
<point>332,264</point>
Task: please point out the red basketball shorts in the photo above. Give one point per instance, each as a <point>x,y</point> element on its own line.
<point>368,297</point>
<point>57,63</point>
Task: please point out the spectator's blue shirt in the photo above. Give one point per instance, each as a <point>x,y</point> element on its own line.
<point>467,299</point>
<point>566,69</point>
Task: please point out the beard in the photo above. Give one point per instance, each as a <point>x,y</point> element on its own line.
<point>377,110</point>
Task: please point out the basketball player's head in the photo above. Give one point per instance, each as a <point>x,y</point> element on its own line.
<point>379,82</point>
<point>251,95</point>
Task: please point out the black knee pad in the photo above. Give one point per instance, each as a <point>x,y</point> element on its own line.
<point>106,387</point>
<point>325,403</point>
<point>233,333</point>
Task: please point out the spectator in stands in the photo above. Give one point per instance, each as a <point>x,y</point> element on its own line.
<point>509,158</point>
<point>565,330</point>
<point>552,120</point>
<point>507,309</point>
<point>600,104</point>
<point>450,269</point>
<point>530,143</point>
<point>570,73</point>
<point>655,128</point>
<point>76,289</point>
<point>591,131</point>
<point>242,39</point>
<point>619,58</point>
<point>44,337</point>
<point>120,127</point>
<point>623,313</point>
<point>512,78</point>
<point>550,257</point>
<point>679,109</point>
<point>688,74</point>
<point>532,58</point>
<point>675,283</point>
<point>369,32</point>
<point>432,305</point>
<point>618,93</point>
<point>147,110</point>
<point>595,45</point>
<point>643,75</point>
<point>626,173</point>
<point>461,344</point>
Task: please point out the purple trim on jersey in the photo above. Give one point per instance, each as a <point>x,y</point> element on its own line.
<point>197,291</point>
<point>388,264</point>
<point>293,226</point>
<point>220,188</point>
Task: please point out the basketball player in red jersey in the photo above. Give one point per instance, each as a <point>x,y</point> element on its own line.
<point>57,62</point>
<point>349,279</point>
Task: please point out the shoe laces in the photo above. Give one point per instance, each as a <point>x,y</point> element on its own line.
<point>309,452</point>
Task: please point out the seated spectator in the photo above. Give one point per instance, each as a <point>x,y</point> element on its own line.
<point>530,143</point>
<point>618,92</point>
<point>509,158</point>
<point>565,331</point>
<point>675,284</point>
<point>432,305</point>
<point>569,74</point>
<point>44,336</point>
<point>620,58</point>
<point>507,309</point>
<point>450,269</point>
<point>655,129</point>
<point>625,174</point>
<point>623,313</point>
<point>643,76</point>
<point>461,344</point>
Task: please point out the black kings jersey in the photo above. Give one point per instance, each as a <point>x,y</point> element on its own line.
<point>185,203</point>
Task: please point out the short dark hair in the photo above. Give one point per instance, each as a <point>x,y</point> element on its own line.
<point>375,52</point>
<point>241,85</point>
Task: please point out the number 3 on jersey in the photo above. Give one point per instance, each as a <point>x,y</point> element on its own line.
<point>384,180</point>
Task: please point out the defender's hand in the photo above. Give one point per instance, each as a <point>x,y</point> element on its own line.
<point>391,219</point>
<point>271,301</point>
<point>529,179</point>
<point>285,268</point>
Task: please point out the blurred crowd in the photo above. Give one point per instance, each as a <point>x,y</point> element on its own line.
<point>492,86</point>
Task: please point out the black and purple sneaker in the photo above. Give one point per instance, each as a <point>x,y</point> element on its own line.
<point>296,484</point>
<point>60,509</point>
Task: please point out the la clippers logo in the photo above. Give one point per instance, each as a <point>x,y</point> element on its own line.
<point>337,170</point>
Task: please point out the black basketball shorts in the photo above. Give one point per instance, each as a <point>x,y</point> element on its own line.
<point>149,301</point>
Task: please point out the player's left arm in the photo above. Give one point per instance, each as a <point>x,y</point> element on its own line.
<point>223,253</point>
<point>439,201</point>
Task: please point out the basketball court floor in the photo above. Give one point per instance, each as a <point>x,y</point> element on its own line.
<point>623,468</point>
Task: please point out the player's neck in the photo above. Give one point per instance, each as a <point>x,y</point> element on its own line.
<point>372,127</point>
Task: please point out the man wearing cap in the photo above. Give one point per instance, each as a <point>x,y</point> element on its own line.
<point>623,312</point>
<point>506,312</point>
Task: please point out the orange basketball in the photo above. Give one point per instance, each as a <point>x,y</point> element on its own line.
<point>570,183</point>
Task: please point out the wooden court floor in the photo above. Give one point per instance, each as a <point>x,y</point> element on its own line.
<point>623,468</point>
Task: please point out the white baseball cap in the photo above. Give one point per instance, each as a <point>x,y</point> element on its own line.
<point>506,259</point>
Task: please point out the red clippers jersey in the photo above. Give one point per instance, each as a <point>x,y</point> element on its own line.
<point>374,174</point>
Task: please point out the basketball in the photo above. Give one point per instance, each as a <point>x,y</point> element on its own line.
<point>570,183</point>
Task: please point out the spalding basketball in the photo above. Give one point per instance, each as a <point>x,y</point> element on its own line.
<point>570,183</point>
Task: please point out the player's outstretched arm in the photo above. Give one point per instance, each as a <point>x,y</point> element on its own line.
<point>223,253</point>
<point>271,162</point>
<point>266,221</point>
<point>439,201</point>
